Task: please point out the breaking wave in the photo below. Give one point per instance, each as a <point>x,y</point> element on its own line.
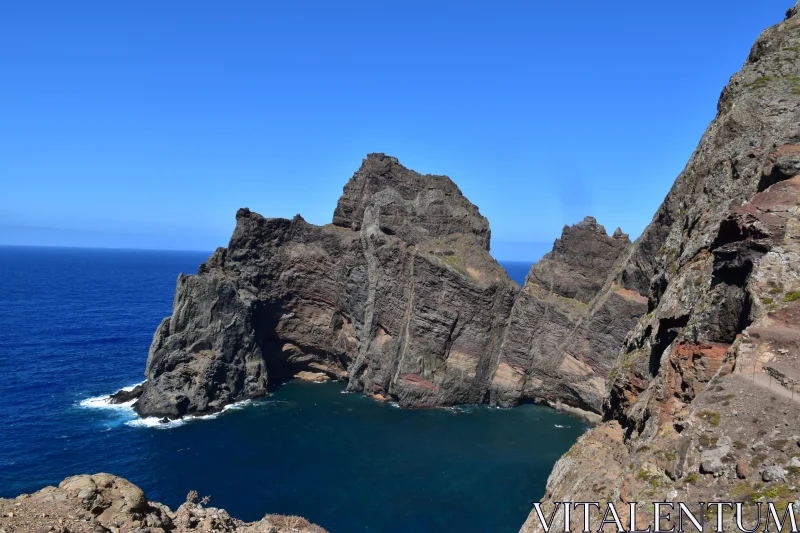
<point>104,402</point>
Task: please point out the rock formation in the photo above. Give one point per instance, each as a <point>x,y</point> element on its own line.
<point>103,503</point>
<point>400,296</point>
<point>569,321</point>
<point>703,398</point>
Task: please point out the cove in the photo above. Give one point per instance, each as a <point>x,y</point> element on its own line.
<point>354,464</point>
<point>78,323</point>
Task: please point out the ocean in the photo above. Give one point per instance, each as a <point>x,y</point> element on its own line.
<point>75,325</point>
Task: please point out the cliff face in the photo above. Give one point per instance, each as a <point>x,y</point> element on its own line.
<point>702,398</point>
<point>568,322</point>
<point>103,503</point>
<point>400,297</point>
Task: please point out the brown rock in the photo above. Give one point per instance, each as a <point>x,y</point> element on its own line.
<point>316,377</point>
<point>121,506</point>
<point>743,469</point>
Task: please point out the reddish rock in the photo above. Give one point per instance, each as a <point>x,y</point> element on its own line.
<point>743,469</point>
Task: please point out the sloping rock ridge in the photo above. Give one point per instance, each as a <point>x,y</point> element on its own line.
<point>703,399</point>
<point>568,322</point>
<point>400,297</point>
<point>103,503</point>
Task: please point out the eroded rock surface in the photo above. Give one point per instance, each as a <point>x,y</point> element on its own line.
<point>103,503</point>
<point>702,401</point>
<point>400,297</point>
<point>569,321</point>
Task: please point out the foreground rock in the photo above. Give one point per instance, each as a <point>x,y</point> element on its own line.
<point>703,399</point>
<point>103,503</point>
<point>400,297</point>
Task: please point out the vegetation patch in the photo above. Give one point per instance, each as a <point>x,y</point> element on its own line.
<point>624,364</point>
<point>665,455</point>
<point>795,81</point>
<point>793,48</point>
<point>710,417</point>
<point>792,296</point>
<point>760,83</point>
<point>708,441</point>
<point>779,444</point>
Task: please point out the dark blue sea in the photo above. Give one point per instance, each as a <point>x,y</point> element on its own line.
<point>75,325</point>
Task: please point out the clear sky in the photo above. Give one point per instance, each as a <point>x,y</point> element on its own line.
<point>147,124</point>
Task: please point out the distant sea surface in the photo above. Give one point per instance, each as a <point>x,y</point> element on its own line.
<point>517,270</point>
<point>75,325</point>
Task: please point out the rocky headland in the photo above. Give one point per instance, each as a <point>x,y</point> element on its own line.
<point>400,297</point>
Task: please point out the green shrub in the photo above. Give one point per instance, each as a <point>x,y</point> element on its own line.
<point>792,296</point>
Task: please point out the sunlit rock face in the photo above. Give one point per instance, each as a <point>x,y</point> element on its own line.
<point>700,399</point>
<point>103,502</point>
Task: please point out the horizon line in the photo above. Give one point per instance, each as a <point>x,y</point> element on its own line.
<point>124,249</point>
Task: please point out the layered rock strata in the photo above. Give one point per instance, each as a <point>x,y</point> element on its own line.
<point>103,503</point>
<point>568,321</point>
<point>701,401</point>
<point>400,297</point>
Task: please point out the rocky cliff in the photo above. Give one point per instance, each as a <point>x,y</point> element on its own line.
<point>400,297</point>
<point>103,503</point>
<point>703,398</point>
<point>568,321</point>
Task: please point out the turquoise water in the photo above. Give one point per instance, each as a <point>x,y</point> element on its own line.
<point>76,324</point>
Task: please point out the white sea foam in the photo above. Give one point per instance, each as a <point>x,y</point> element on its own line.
<point>158,423</point>
<point>131,387</point>
<point>154,422</point>
<point>104,402</point>
<point>237,405</point>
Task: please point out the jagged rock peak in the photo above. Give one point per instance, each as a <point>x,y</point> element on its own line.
<point>589,222</point>
<point>398,201</point>
<point>580,260</point>
<point>793,11</point>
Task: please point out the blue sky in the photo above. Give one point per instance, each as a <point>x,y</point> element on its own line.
<point>147,124</point>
